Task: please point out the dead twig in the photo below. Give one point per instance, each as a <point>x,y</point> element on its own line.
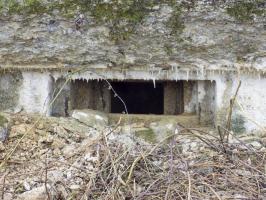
<point>229,118</point>
<point>46,180</point>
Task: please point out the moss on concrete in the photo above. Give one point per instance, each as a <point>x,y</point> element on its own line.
<point>148,135</point>
<point>121,16</point>
<point>3,120</point>
<point>175,22</point>
<point>238,124</point>
<point>9,90</point>
<point>245,11</point>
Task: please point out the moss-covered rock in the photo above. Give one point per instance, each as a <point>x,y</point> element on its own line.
<point>245,11</point>
<point>121,16</point>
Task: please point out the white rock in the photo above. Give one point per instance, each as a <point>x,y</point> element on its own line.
<point>2,146</point>
<point>93,118</point>
<point>26,185</point>
<point>8,196</point>
<point>34,194</point>
<point>194,146</point>
<point>69,150</point>
<point>256,144</point>
<point>74,187</point>
<point>55,175</point>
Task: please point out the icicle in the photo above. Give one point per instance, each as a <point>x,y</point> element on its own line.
<point>154,82</point>
<point>187,74</point>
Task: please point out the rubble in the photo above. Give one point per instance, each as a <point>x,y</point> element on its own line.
<point>66,159</point>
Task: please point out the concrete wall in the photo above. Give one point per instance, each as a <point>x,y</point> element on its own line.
<point>173,98</point>
<point>61,105</point>
<point>80,94</point>
<point>35,92</point>
<point>32,92</point>
<point>206,102</point>
<point>9,91</point>
<point>249,113</point>
<point>190,96</point>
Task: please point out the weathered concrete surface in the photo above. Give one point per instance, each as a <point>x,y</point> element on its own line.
<point>80,94</point>
<point>187,120</point>
<point>206,102</point>
<point>91,118</point>
<point>3,127</point>
<point>169,42</point>
<point>194,35</point>
<point>173,98</point>
<point>250,106</point>
<point>9,90</point>
<point>35,92</point>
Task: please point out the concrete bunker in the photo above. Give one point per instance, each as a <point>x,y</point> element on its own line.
<point>140,97</point>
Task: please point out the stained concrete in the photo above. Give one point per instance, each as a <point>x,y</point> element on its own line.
<point>173,98</point>
<point>35,92</point>
<point>9,90</point>
<point>206,102</point>
<point>207,96</point>
<point>80,94</point>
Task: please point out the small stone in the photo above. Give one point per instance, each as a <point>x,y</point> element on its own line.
<point>45,140</point>
<point>55,175</point>
<point>69,150</point>
<point>3,132</point>
<point>41,126</point>
<point>92,118</point>
<point>8,196</point>
<point>194,146</point>
<point>256,144</point>
<point>57,152</point>
<point>27,186</point>
<point>74,187</point>
<point>57,144</point>
<point>2,146</point>
<point>34,194</point>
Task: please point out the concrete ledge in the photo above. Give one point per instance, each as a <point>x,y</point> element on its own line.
<point>187,120</point>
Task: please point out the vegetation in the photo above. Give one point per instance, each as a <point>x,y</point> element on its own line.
<point>3,120</point>
<point>244,11</point>
<point>121,16</point>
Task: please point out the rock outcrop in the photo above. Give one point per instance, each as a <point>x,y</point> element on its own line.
<point>203,34</point>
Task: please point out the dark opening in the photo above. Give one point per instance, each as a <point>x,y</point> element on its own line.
<point>139,97</point>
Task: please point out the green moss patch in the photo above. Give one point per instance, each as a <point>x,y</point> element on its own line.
<point>245,11</point>
<point>238,124</point>
<point>175,22</point>
<point>147,135</point>
<point>3,120</point>
<point>121,16</point>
